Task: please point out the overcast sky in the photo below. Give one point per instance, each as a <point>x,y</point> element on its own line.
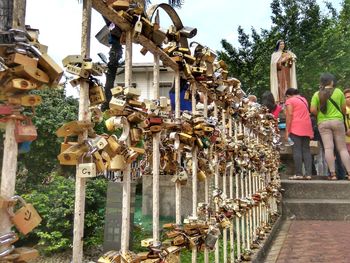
<point>59,22</point>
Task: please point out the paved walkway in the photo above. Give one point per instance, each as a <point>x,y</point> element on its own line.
<point>311,241</point>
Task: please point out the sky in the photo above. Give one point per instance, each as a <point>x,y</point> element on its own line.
<point>59,22</point>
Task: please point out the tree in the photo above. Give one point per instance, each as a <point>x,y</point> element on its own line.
<point>320,41</point>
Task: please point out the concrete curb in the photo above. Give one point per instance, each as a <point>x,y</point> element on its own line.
<point>260,256</point>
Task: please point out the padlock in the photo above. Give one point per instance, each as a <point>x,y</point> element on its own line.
<point>136,117</point>
<point>137,104</point>
<point>117,104</point>
<point>76,70</point>
<point>49,66</point>
<point>179,240</point>
<point>99,142</point>
<point>155,128</point>
<point>73,128</point>
<point>111,256</point>
<point>96,95</point>
<point>26,254</point>
<point>72,155</point>
<point>25,130</point>
<point>118,163</point>
<point>20,59</point>
<point>100,165</point>
<point>118,4</point>
<point>86,170</point>
<point>73,60</point>
<point>34,74</point>
<point>25,100</point>
<point>211,237</point>
<point>19,85</point>
<point>155,121</point>
<point>201,176</point>
<point>132,92</point>
<point>26,218</point>
<point>135,134</point>
<point>116,91</point>
<point>113,147</point>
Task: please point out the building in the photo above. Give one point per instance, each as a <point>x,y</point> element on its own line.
<point>142,77</point>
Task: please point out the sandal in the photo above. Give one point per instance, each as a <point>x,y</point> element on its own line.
<point>295,177</point>
<point>332,177</point>
<point>307,177</point>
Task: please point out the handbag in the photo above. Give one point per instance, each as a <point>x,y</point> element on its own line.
<point>338,108</point>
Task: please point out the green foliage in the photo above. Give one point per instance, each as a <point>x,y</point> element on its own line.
<point>55,204</point>
<point>321,42</point>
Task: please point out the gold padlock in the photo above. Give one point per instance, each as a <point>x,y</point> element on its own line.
<point>25,100</point>
<point>48,65</point>
<point>201,176</point>
<point>117,104</point>
<point>26,218</point>
<point>117,163</point>
<point>20,59</point>
<point>19,85</point>
<point>34,74</point>
<point>72,155</point>
<point>136,117</point>
<point>136,134</point>
<point>96,95</point>
<point>73,128</point>
<point>100,165</point>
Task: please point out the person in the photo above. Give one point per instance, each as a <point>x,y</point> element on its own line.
<point>268,100</point>
<point>282,71</point>
<point>299,129</point>
<point>347,117</point>
<point>328,104</point>
<point>185,104</point>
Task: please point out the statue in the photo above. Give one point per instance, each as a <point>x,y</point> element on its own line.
<point>282,71</point>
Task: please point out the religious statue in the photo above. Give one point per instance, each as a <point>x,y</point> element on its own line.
<point>282,71</point>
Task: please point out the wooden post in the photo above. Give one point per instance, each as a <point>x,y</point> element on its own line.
<point>206,181</point>
<point>232,238</point>
<point>125,236</point>
<point>194,171</point>
<point>216,185</point>
<point>12,15</point>
<point>224,186</point>
<point>156,156</point>
<point>177,118</point>
<point>80,183</point>
<point>238,220</point>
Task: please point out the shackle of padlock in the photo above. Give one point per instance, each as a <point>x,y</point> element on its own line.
<point>6,241</point>
<point>15,198</point>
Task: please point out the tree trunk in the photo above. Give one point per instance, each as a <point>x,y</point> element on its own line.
<point>12,14</point>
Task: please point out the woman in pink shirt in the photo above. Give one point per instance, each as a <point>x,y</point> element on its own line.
<point>299,129</point>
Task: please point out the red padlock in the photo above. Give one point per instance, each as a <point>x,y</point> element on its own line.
<point>25,131</point>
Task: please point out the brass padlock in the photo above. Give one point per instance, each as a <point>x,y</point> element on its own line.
<point>201,176</point>
<point>113,147</point>
<point>26,254</point>
<point>25,100</point>
<point>118,163</point>
<point>49,66</point>
<point>135,134</point>
<point>100,165</point>
<point>72,155</point>
<point>136,117</point>
<point>26,218</point>
<point>73,128</point>
<point>19,85</point>
<point>117,104</point>
<point>96,95</point>
<point>132,93</point>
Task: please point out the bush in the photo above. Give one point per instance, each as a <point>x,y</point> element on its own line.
<point>55,204</point>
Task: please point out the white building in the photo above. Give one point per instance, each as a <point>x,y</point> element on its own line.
<point>142,77</point>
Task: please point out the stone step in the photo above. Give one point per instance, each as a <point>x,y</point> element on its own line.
<point>316,209</point>
<point>316,189</point>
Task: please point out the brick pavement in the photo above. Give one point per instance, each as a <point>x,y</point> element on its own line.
<point>311,241</point>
